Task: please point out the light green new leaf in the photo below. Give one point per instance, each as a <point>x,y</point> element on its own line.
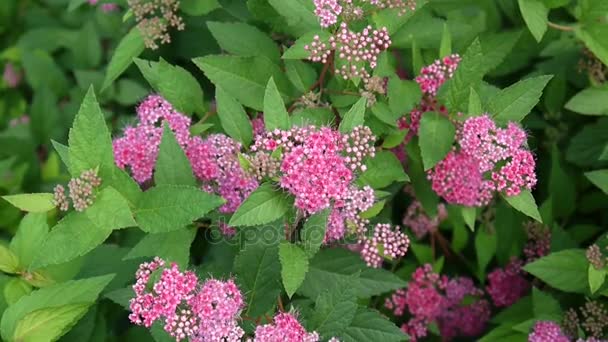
<point>596,278</point>
<point>233,117</point>
<point>294,266</point>
<point>382,170</point>
<point>370,325</point>
<point>82,292</point>
<point>34,203</point>
<point>30,236</point>
<point>166,208</point>
<point>174,246</point>
<point>15,289</point>
<point>436,134</point>
<point>49,324</point>
<point>9,263</point>
<point>313,232</point>
<point>354,117</point>
<point>175,84</point>
<point>535,15</point>
<point>564,270</point>
<point>172,165</point>
<point>266,204</point>
<point>516,101</point>
<point>259,275</point>
<point>275,114</point>
<point>590,101</point>
<point>129,47</point>
<point>244,40</point>
<point>599,178</point>
<point>80,232</point>
<point>525,203</point>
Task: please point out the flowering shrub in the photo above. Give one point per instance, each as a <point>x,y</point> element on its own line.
<point>304,170</point>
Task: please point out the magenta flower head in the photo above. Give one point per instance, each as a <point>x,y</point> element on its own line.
<point>284,328</point>
<point>547,331</point>
<point>506,286</point>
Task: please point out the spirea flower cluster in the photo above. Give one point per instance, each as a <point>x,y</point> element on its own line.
<point>330,11</point>
<point>547,331</point>
<point>155,18</point>
<point>431,297</point>
<point>284,328</point>
<point>506,285</point>
<point>419,222</point>
<point>82,191</point>
<point>488,159</point>
<point>386,242</point>
<point>214,160</point>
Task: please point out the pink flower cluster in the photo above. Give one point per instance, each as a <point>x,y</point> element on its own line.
<point>419,222</point>
<point>11,76</point>
<point>539,241</point>
<point>431,297</point>
<point>327,11</point>
<point>386,242</point>
<point>433,76</point>
<point>200,312</point>
<point>284,328</point>
<point>547,331</point>
<point>489,159</point>
<point>214,160</point>
<point>346,213</point>
<point>506,286</point>
<point>81,191</point>
<point>401,5</point>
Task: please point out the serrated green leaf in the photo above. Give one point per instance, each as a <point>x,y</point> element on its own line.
<point>436,134</point>
<point>563,190</point>
<point>300,74</point>
<point>294,266</point>
<point>166,208</point>
<point>298,13</point>
<point>175,84</point>
<point>596,278</point>
<point>588,146</point>
<point>313,232</point>
<point>80,232</point>
<point>233,117</point>
<point>334,310</point>
<point>475,106</point>
<point>370,325</point>
<point>266,204</point>
<point>565,270</point>
<point>590,101</point>
<point>298,51</point>
<point>81,292</point>
<point>50,323</point>
<point>34,203</point>
<point>594,37</point>
<point>422,187</point>
<point>394,139</point>
<point>172,165</point>
<point>382,111</point>
<point>485,248</point>
<point>32,232</point>
<point>174,246</point>
<point>259,275</point>
<point>244,40</point>
<point>403,95</point>
<point>41,71</point>
<point>469,214</point>
<point>354,117</point>
<point>515,102</point>
<point>535,15</point>
<point>525,203</point>
<point>129,47</point>
<point>382,170</point>
<point>445,48</point>
<point>599,178</point>
<point>275,114</point>
<point>497,46</point>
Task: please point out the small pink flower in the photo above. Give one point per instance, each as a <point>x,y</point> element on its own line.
<point>285,328</point>
<point>12,77</point>
<point>506,286</point>
<point>547,331</point>
<point>432,77</point>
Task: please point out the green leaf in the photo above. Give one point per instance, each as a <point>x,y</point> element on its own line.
<point>31,234</point>
<point>594,37</point>
<point>266,204</point>
<point>525,203</point>
<point>382,111</point>
<point>49,324</point>
<point>599,178</point>
<point>34,203</point>
<point>297,50</point>
<point>417,61</point>
<point>469,214</point>
<point>174,246</point>
<point>596,278</point>
<point>455,92</point>
<point>422,187</point>
<point>565,270</point>
<point>382,170</point>
<point>44,116</point>
<point>403,95</point>
<point>172,165</point>
<point>535,15</point>
<point>374,210</point>
<point>313,232</point>
<point>301,75</point>
<point>259,276</point>
<point>275,114</point>
<point>299,14</point>
<point>81,292</point>
<point>166,208</point>
<point>244,78</point>
<point>198,7</point>
<point>436,138</point>
<point>334,310</point>
<point>354,117</point>
<point>515,102</point>
<point>562,189</point>
<point>485,248</point>
<point>590,101</point>
<point>475,107</point>
<point>244,40</point>
<point>589,144</point>
<point>294,265</point>
<point>545,306</point>
<point>497,46</point>
<point>15,289</point>
<point>445,49</point>
<point>130,46</point>
<point>9,263</point>
<point>80,232</point>
<point>233,117</point>
<point>370,325</point>
<point>41,71</point>
<point>175,84</point>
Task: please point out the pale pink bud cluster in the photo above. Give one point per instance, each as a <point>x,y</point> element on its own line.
<point>402,5</point>
<point>263,165</point>
<point>386,242</point>
<point>284,328</point>
<point>419,222</point>
<point>327,11</point>
<point>358,144</point>
<point>82,189</point>
<point>547,331</point>
<point>506,286</point>
<point>593,320</point>
<point>189,309</point>
<point>22,120</point>
<point>319,50</point>
<point>489,159</point>
<point>258,125</point>
<point>346,214</point>
<point>433,76</point>
<point>539,241</point>
<point>596,257</point>
<point>155,18</point>
<point>60,200</point>
<point>12,77</point>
